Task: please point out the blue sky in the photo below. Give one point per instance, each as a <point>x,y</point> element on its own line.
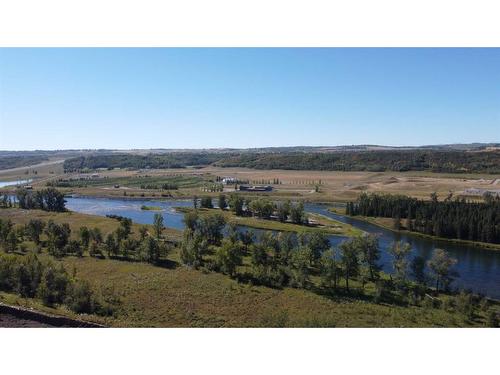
<point>200,98</point>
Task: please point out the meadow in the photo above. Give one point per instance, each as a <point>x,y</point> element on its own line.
<point>174,295</point>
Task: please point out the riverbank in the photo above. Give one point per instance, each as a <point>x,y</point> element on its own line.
<point>323,223</point>
<point>386,224</point>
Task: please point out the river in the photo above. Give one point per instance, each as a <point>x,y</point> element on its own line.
<point>479,268</point>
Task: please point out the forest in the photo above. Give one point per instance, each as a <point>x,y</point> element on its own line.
<point>453,161</point>
<point>372,161</point>
<point>159,161</point>
<point>7,162</point>
<point>449,218</point>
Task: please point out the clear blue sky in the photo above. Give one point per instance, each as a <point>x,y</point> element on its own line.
<point>196,98</point>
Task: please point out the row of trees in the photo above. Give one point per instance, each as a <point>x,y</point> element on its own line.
<point>260,207</point>
<point>450,218</point>
<point>287,259</point>
<point>59,243</point>
<point>375,161</point>
<point>30,277</point>
<point>48,199</point>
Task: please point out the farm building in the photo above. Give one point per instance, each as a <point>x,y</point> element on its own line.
<point>229,180</point>
<point>256,188</point>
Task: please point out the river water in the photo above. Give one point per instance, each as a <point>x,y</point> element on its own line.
<point>479,268</point>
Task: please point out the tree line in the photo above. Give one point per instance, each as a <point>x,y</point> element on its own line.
<point>258,207</point>
<point>286,259</point>
<point>450,161</point>
<point>48,199</point>
<point>162,161</point>
<point>56,239</point>
<point>449,218</point>
<point>31,277</point>
<point>375,161</point>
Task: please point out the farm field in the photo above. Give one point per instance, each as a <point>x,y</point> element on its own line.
<point>313,186</point>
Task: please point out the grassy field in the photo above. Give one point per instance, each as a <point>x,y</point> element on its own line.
<point>313,186</point>
<point>183,297</point>
<point>324,224</point>
<point>75,221</point>
<point>179,296</point>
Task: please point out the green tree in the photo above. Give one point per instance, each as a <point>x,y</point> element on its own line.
<point>84,234</point>
<point>12,242</point>
<point>318,242</point>
<point>417,267</point>
<point>297,215</point>
<point>112,246</point>
<point>34,230</point>
<point>158,225</point>
<point>400,253</point>
<point>191,220</point>
<point>283,210</point>
<point>193,247</point>
<point>441,267</point>
<point>330,269</point>
<point>349,260</point>
<point>369,254</point>
<point>236,204</point>
<point>228,257</point>
<point>206,202</point>
<point>299,264</point>
<point>150,250</point>
<point>143,232</point>
<point>222,202</point>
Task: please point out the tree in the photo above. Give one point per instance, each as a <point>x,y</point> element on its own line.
<point>222,202</point>
<point>57,238</point>
<point>12,242</point>
<point>84,234</point>
<point>297,215</point>
<point>211,226</point>
<point>369,254</point>
<point>206,202</point>
<point>441,267</point>
<point>150,250</point>
<point>417,267</point>
<point>53,285</point>
<point>283,211</point>
<point>236,204</point>
<point>191,220</point>
<point>400,252</point>
<point>112,247</point>
<point>143,232</point>
<point>193,247</point>
<point>318,242</point>
<point>330,269</point>
<point>158,225</point>
<point>228,257</point>
<point>262,208</point>
<point>126,227</point>
<point>299,264</point>
<point>34,229</point>
<point>349,259</point>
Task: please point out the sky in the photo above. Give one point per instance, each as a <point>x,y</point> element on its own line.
<point>118,98</point>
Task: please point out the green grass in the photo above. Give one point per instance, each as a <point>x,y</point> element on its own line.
<point>179,296</point>
<point>182,181</point>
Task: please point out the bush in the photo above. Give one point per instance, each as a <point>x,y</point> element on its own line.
<point>492,319</point>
